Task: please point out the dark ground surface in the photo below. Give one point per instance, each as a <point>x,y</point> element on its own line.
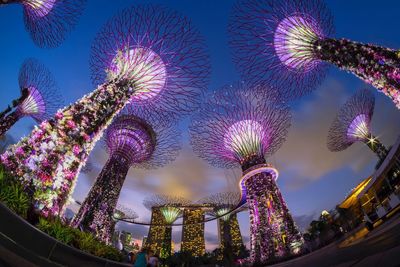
<point>379,248</point>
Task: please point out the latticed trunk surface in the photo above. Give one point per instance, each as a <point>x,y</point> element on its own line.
<point>96,212</point>
<point>53,154</point>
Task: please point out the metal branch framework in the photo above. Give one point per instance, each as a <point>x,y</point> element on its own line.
<point>222,203</point>
<point>142,42</point>
<point>122,211</point>
<point>353,124</point>
<point>131,141</point>
<point>289,42</point>
<point>40,97</point>
<point>49,21</point>
<point>239,123</point>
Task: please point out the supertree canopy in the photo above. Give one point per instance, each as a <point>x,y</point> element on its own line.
<point>52,156</point>
<point>142,43</point>
<point>39,96</point>
<point>222,203</point>
<point>170,207</point>
<point>289,41</point>
<point>353,124</point>
<point>239,125</point>
<point>123,212</point>
<point>49,21</point>
<point>131,141</point>
<point>229,231</point>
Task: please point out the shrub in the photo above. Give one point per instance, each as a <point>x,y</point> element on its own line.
<point>57,229</point>
<point>81,240</point>
<point>12,194</point>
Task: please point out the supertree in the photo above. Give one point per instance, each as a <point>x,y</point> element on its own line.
<point>229,231</point>
<point>39,96</point>
<point>54,153</point>
<point>49,21</point>
<point>353,124</point>
<point>240,125</point>
<point>131,142</point>
<point>170,208</point>
<point>289,41</point>
<point>124,212</point>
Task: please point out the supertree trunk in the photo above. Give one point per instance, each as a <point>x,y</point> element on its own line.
<point>378,66</point>
<point>166,243</point>
<point>377,147</point>
<point>230,234</point>
<point>96,212</point>
<point>54,153</point>
<point>272,228</point>
<point>8,121</point>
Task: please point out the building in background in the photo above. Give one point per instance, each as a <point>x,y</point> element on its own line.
<point>155,238</point>
<point>193,231</point>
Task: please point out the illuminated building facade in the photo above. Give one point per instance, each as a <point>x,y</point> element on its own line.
<point>193,231</point>
<point>229,234</point>
<point>157,232</point>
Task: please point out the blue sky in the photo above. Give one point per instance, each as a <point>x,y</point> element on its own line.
<point>311,177</point>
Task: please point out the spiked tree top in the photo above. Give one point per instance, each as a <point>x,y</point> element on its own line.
<point>169,73</point>
<point>170,206</point>
<point>39,96</point>
<point>49,21</point>
<point>238,124</point>
<point>131,141</point>
<point>44,99</point>
<point>222,203</point>
<point>123,212</point>
<point>353,124</point>
<point>289,42</point>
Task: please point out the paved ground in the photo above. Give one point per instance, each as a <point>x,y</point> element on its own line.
<point>378,248</point>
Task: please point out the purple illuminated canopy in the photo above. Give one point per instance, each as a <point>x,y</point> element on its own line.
<point>49,21</point>
<point>274,40</point>
<point>43,99</point>
<point>237,123</point>
<point>143,143</point>
<point>159,52</point>
<point>352,122</point>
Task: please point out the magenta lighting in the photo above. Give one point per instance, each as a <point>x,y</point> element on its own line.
<point>40,98</point>
<point>131,142</point>
<point>353,124</point>
<point>161,51</point>
<point>290,42</point>
<point>49,21</point>
<point>240,125</point>
<point>69,137</point>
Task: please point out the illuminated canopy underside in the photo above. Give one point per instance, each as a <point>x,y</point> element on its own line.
<point>142,65</point>
<point>294,40</point>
